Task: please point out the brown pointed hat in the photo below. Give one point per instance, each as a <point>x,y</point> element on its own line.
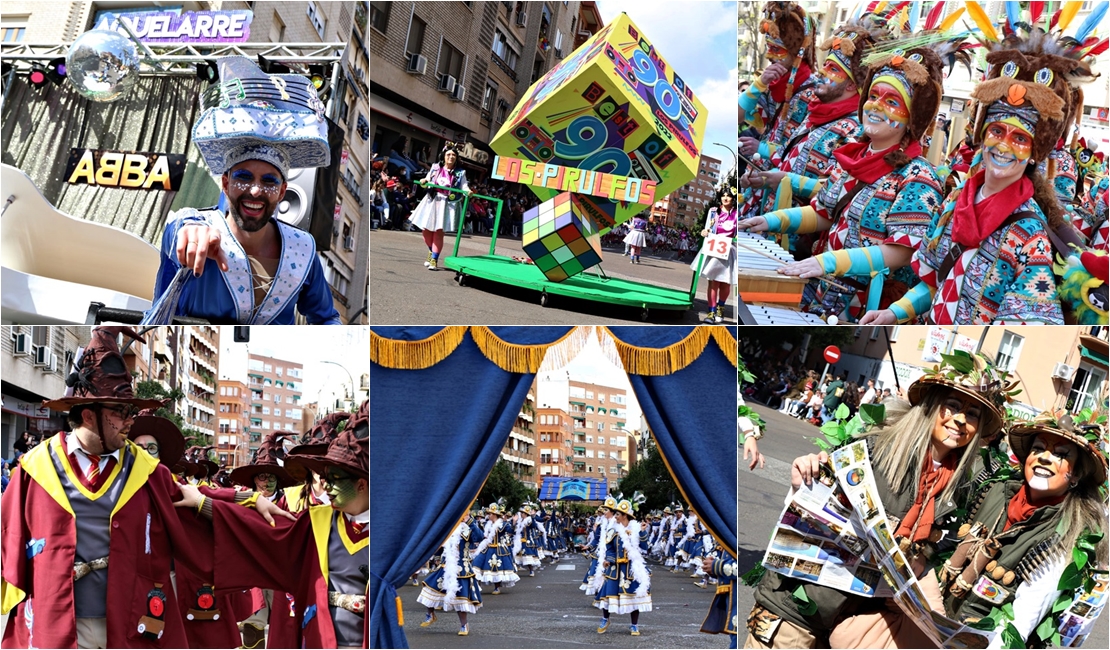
<point>171,444</point>
<point>267,460</point>
<point>1085,434</point>
<point>350,450</point>
<point>972,375</point>
<point>315,441</point>
<point>201,467</point>
<point>100,374</point>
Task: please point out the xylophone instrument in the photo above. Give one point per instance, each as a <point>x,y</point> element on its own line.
<point>759,314</point>
<point>757,262</point>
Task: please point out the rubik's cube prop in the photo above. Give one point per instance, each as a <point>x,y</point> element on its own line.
<point>557,237</point>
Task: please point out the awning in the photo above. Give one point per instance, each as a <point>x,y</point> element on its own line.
<point>578,417</point>
<point>581,449</point>
<point>578,403</point>
<point>565,488</point>
<point>379,104</point>
<point>1093,355</point>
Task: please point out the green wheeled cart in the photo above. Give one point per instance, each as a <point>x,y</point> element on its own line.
<point>587,285</point>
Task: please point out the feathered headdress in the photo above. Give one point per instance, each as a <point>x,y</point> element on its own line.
<point>787,25</point>
<point>919,58</point>
<point>1037,69</point>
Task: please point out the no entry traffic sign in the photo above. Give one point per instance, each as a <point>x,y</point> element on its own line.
<point>832,354</point>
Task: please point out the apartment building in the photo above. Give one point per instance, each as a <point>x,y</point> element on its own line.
<point>275,387</point>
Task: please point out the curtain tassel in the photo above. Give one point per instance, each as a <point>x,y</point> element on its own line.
<point>415,355</point>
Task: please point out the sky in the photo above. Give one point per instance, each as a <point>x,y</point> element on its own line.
<point>594,367</point>
<point>347,346</point>
<point>698,40</point>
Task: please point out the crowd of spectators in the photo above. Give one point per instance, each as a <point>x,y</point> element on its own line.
<point>798,392</point>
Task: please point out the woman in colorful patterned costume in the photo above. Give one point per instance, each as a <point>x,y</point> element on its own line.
<point>454,586</point>
<point>1020,533</point>
<point>622,577</point>
<point>881,193</point>
<point>923,474</point>
<point>988,254</point>
<point>775,105</point>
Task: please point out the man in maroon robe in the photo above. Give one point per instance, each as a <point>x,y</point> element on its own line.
<point>92,499</point>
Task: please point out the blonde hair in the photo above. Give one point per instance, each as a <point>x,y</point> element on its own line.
<point>1083,510</point>
<point>904,439</point>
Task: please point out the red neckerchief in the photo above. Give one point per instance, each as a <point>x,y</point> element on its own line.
<point>919,520</point>
<point>101,479</point>
<point>778,89</point>
<point>869,167</point>
<point>1022,507</point>
<point>973,222</point>
<point>821,113</point>
<point>357,532</point>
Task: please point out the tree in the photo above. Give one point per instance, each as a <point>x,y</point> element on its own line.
<point>502,483</point>
<point>651,477</point>
<point>150,389</point>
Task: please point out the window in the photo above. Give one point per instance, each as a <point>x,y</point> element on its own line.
<point>288,413</point>
<point>277,29</point>
<point>288,426</point>
<point>506,48</point>
<point>600,427</point>
<point>490,98</point>
<point>589,453</point>
<point>379,15</point>
<point>265,410</point>
<point>589,439</point>
<point>1008,351</point>
<point>450,61</point>
<point>613,441</point>
<point>613,455</point>
<point>1088,384</point>
<point>13,28</point>
<point>589,468</point>
<point>600,469</point>
<point>267,368</point>
<point>277,399</point>
<point>415,42</point>
<point>589,394</point>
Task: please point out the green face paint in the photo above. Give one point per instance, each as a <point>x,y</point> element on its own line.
<point>266,483</point>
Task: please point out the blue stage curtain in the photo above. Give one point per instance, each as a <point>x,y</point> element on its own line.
<point>435,435</point>
<point>691,412</point>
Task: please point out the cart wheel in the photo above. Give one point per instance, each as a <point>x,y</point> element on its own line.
<point>644,314</point>
<point>461,279</point>
<point>544,300</point>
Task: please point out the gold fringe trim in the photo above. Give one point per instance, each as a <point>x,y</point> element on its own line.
<point>530,358</point>
<point>415,355</point>
<point>654,362</point>
<point>726,342</point>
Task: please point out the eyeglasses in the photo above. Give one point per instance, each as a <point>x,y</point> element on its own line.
<point>151,448</point>
<point>124,412</point>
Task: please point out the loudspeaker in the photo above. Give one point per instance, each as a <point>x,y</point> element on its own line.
<point>309,202</point>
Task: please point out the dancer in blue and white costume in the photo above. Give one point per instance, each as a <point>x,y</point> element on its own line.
<point>454,587</point>
<point>526,552</point>
<point>622,577</point>
<point>593,549</point>
<point>690,547</point>
<point>493,559</point>
<point>674,541</point>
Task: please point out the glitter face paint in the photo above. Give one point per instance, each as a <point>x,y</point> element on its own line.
<point>1005,140</point>
<point>885,104</point>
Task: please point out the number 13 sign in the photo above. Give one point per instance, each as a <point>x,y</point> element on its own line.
<point>717,246</point>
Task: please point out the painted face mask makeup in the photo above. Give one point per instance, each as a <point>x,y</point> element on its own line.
<point>832,73</point>
<point>1048,469</point>
<point>1007,143</point>
<point>887,106</point>
<point>341,488</point>
<point>776,52</point>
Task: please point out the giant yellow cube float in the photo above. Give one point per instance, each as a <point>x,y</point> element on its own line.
<point>613,106</point>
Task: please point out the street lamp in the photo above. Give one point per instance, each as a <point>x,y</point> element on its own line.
<point>733,157</point>
<point>349,377</point>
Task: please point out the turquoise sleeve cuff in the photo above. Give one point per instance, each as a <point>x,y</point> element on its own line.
<point>854,261</point>
<point>803,187</point>
<point>919,299</point>
<point>788,220</point>
<point>765,150</point>
<point>749,99</point>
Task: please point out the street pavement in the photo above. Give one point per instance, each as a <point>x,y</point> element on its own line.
<point>549,611</point>
<point>403,292</point>
<point>760,499</point>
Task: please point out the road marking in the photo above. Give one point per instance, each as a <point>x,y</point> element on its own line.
<point>565,567</point>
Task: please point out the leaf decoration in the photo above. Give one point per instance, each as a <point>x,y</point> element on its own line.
<point>1011,638</point>
<point>873,414</point>
<point>960,361</point>
<point>754,575</point>
<point>806,606</point>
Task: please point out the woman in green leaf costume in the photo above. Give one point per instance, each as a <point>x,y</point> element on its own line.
<point>1030,542</point>
<point>923,471</point>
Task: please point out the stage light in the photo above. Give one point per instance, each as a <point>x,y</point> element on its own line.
<point>37,76</point>
<point>56,70</point>
<point>208,71</point>
<point>272,67</point>
<point>317,75</point>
